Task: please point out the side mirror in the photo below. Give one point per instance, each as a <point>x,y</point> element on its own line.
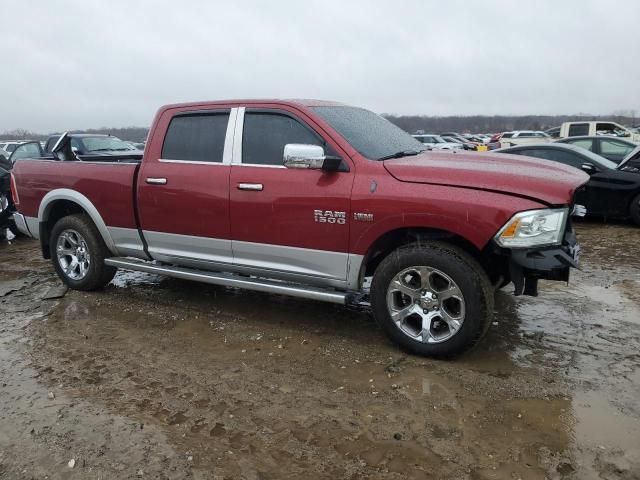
<point>588,168</point>
<point>312,157</point>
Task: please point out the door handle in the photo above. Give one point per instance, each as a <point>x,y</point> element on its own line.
<point>156,181</point>
<point>254,187</point>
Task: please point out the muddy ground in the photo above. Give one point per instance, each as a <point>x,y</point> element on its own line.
<point>160,378</point>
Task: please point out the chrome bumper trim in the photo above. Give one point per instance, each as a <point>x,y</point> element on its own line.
<point>21,224</point>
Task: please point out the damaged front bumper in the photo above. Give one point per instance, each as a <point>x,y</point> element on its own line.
<point>527,266</point>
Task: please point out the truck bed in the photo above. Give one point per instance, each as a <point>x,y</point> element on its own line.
<point>108,183</point>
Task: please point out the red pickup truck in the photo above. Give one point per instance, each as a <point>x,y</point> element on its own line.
<point>308,198</point>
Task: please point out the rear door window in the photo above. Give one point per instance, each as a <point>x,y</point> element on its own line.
<point>615,148</point>
<point>265,134</point>
<point>568,158</point>
<point>197,137</point>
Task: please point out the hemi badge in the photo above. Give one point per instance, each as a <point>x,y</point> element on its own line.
<point>363,217</point>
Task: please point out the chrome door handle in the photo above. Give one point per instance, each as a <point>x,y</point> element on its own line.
<point>156,181</point>
<point>255,187</point>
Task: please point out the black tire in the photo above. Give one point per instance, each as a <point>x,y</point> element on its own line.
<point>634,210</point>
<point>461,268</point>
<point>97,274</point>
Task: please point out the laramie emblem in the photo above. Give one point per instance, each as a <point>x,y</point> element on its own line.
<point>330,216</point>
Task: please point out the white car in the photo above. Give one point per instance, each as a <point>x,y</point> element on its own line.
<point>436,142</point>
<point>523,137</point>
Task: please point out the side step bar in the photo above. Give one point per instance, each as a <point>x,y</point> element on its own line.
<point>229,280</point>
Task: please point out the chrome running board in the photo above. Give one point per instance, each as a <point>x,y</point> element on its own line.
<point>229,280</point>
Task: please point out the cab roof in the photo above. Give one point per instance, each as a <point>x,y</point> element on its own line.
<point>257,101</point>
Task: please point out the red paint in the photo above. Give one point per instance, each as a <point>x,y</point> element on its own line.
<point>107,186</point>
<point>471,195</point>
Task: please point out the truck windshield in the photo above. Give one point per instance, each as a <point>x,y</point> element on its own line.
<point>103,144</point>
<point>371,135</point>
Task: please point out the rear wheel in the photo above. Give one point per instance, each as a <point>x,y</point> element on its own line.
<point>634,210</point>
<point>78,253</point>
<point>433,299</point>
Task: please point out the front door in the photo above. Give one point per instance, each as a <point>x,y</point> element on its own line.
<point>183,189</point>
<point>291,222</point>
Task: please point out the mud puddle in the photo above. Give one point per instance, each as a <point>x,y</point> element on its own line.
<point>232,384</point>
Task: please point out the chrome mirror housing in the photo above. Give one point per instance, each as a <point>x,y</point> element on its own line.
<point>297,155</point>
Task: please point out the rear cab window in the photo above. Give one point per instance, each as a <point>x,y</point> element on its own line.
<point>196,137</point>
<point>578,129</point>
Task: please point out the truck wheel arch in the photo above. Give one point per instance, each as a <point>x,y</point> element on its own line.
<point>64,198</point>
<point>393,239</point>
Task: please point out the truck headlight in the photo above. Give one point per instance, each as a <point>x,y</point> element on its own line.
<point>533,228</point>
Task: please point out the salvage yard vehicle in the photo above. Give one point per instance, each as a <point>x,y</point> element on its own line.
<point>613,190</point>
<point>523,137</point>
<point>580,129</point>
<point>436,142</point>
<point>93,144</point>
<point>7,208</point>
<point>309,199</point>
<point>611,148</point>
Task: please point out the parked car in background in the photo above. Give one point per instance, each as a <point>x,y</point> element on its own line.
<point>4,154</point>
<point>523,137</point>
<point>436,142</point>
<point>474,138</point>
<point>136,145</point>
<point>581,129</point>
<point>466,144</point>
<point>348,196</point>
<point>10,145</point>
<point>93,144</point>
<point>613,190</point>
<point>553,132</point>
<point>613,148</point>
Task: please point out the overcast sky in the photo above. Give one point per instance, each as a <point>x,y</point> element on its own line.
<point>80,63</point>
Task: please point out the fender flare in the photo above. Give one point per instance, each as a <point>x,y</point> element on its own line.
<point>76,197</point>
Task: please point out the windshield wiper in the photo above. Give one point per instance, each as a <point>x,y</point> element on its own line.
<point>403,153</point>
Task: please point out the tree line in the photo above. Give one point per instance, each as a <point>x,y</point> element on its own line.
<point>496,123</point>
<point>409,123</point>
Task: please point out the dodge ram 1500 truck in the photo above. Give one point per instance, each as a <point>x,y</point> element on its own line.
<point>308,198</point>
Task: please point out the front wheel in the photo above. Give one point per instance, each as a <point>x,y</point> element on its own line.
<point>78,253</point>
<point>432,298</point>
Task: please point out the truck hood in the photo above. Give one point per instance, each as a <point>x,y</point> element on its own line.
<point>549,182</point>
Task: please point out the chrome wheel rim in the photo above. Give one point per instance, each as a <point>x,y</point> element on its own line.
<point>426,304</point>
<point>73,254</point>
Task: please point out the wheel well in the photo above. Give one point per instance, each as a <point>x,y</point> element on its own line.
<point>57,210</point>
<point>390,241</point>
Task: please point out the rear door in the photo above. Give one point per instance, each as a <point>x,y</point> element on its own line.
<point>291,222</point>
<point>26,150</point>
<point>183,188</point>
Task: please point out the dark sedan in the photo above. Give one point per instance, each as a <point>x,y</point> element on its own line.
<point>615,149</point>
<point>613,190</point>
